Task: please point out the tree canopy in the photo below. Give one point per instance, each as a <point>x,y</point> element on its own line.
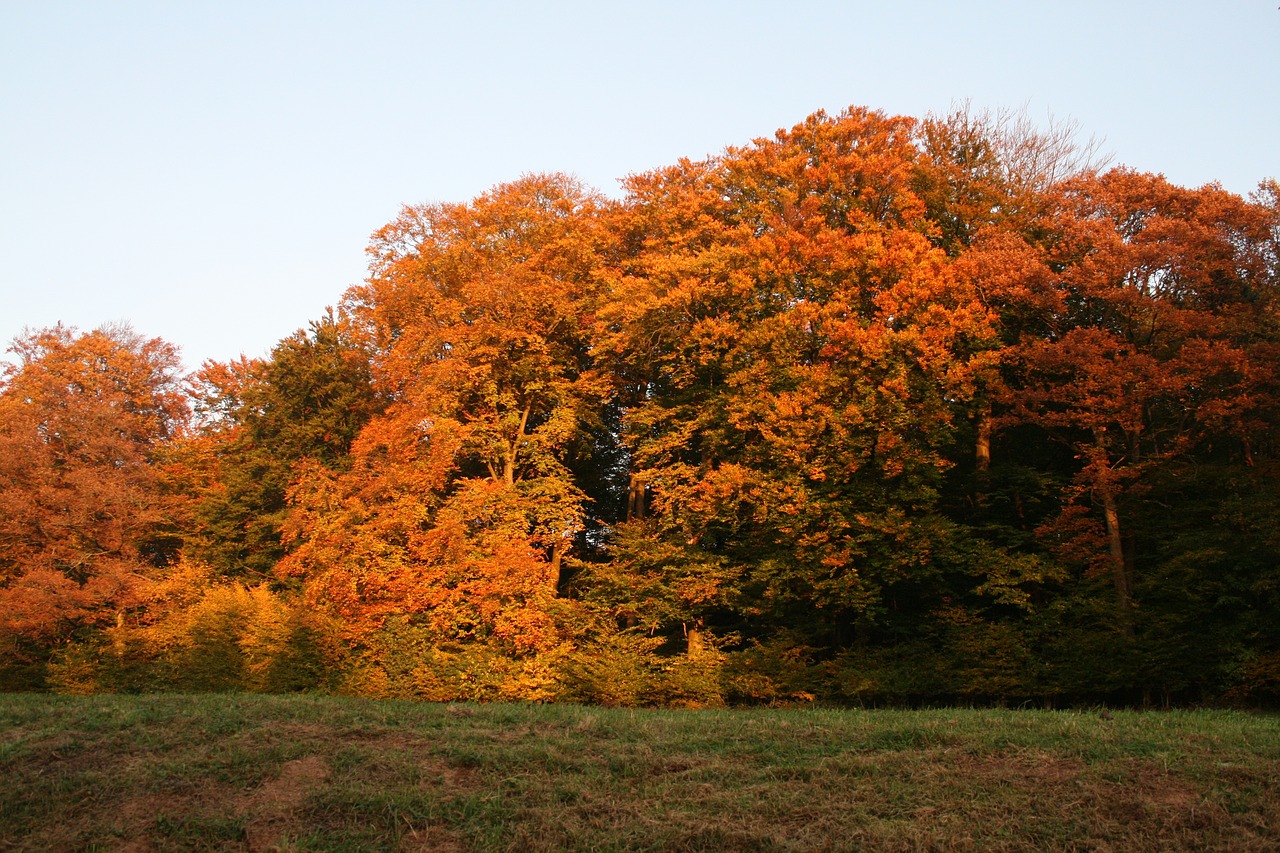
<point>874,409</point>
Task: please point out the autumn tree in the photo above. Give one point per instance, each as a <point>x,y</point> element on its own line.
<point>870,409</point>
<point>1150,372</point>
<point>1151,349</point>
<point>990,182</point>
<point>85,423</point>
<point>791,344</point>
<point>984,170</point>
<point>461,505</point>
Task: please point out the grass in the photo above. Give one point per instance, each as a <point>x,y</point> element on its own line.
<point>224,772</point>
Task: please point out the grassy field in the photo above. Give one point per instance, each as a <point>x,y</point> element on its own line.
<point>313,773</point>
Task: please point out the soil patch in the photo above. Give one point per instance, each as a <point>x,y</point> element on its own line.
<point>273,804</point>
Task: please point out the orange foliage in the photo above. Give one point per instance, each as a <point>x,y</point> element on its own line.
<point>459,508</point>
<point>84,420</point>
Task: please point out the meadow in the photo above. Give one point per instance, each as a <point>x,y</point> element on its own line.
<point>251,772</point>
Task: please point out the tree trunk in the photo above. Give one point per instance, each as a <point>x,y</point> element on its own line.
<point>557,554</point>
<point>509,458</point>
<point>697,643</point>
<point>982,448</point>
<point>1115,543</point>
<point>1105,489</point>
<point>635,498</point>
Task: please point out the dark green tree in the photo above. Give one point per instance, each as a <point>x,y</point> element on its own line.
<point>262,420</point>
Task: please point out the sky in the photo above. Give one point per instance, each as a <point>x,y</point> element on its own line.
<point>210,172</point>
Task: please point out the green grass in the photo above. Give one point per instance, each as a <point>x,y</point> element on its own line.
<point>311,773</point>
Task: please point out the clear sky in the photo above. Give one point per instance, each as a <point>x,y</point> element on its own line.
<point>210,170</point>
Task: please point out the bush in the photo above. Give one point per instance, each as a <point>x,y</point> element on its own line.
<point>618,670</point>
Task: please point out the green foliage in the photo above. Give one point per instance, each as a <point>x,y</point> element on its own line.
<point>247,638</point>
<point>1209,582</point>
<point>263,420</point>
<point>407,660</point>
<point>221,637</point>
<point>119,661</point>
<point>654,582</point>
<point>780,670</point>
<point>619,669</point>
<point>22,675</point>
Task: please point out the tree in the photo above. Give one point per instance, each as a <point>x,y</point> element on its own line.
<point>987,170</point>
<point>263,422</point>
<point>791,347</point>
<point>86,421</point>
<point>460,504</point>
<point>1162,345</point>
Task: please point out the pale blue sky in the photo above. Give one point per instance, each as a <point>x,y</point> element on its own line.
<point>211,171</point>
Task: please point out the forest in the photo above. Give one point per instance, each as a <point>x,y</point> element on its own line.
<point>874,411</point>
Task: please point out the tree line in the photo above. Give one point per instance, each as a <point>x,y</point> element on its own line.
<point>874,410</point>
